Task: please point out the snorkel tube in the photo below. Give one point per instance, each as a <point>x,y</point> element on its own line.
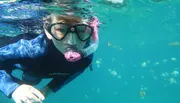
<point>73,55</point>
<point>95,39</point>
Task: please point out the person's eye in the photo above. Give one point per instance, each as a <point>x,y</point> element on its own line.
<point>57,29</point>
<point>60,29</point>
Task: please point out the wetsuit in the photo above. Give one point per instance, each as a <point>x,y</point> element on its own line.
<point>36,55</point>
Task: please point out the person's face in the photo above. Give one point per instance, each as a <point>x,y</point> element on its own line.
<point>71,40</point>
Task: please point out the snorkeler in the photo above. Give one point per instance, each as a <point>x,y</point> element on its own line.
<point>63,52</point>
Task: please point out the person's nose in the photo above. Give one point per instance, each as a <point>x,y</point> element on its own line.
<point>71,39</point>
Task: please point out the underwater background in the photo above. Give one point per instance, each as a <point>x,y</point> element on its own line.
<point>137,60</point>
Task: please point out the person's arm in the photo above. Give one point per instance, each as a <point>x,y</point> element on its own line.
<point>7,84</point>
<point>57,83</point>
<point>23,49</point>
<point>10,54</point>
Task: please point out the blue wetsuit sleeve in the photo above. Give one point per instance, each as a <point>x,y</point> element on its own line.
<point>7,84</point>
<point>10,54</point>
<point>57,83</point>
<point>23,49</point>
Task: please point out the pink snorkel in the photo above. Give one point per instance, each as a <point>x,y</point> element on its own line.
<point>72,55</point>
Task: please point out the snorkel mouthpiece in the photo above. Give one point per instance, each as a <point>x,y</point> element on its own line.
<point>72,55</point>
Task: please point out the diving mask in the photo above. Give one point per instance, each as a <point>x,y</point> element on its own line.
<point>60,30</point>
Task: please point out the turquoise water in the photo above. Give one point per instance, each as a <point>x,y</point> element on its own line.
<point>137,60</point>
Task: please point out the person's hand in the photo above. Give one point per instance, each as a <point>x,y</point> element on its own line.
<point>27,94</point>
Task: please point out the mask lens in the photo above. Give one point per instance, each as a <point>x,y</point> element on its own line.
<point>59,30</point>
<point>83,31</point>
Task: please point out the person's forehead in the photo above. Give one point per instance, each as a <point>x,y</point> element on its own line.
<point>60,21</point>
<point>57,20</point>
<point>67,20</point>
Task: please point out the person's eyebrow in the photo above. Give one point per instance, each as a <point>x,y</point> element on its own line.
<point>61,21</point>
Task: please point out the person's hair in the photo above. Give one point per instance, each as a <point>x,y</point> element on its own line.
<point>65,18</point>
